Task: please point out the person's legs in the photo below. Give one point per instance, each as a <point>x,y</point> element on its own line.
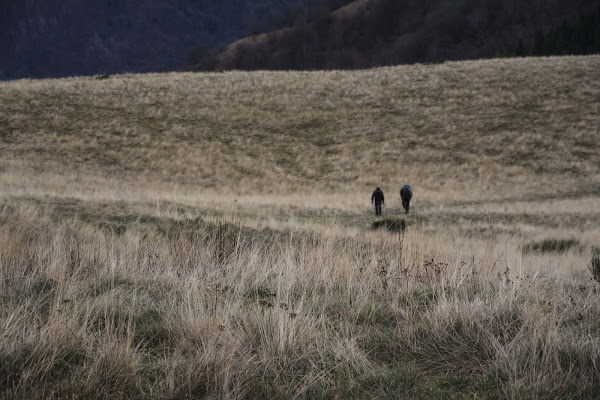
<point>405,203</point>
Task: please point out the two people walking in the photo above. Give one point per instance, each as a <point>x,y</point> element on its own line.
<point>378,199</point>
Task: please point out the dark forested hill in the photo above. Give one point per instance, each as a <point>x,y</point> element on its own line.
<point>54,38</point>
<point>369,33</point>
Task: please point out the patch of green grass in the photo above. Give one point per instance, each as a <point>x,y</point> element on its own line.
<point>107,284</point>
<point>259,294</point>
<point>146,320</point>
<point>376,315</point>
<point>388,383</point>
<point>11,369</point>
<point>151,329</point>
<point>457,348</point>
<point>64,364</point>
<point>312,124</point>
<point>405,381</point>
<point>551,246</point>
<point>115,229</point>
<point>467,386</point>
<point>118,224</point>
<point>380,342</point>
<point>419,300</point>
<point>69,359</point>
<point>5,130</point>
<point>265,386</point>
<point>323,141</point>
<point>382,346</point>
<point>43,285</point>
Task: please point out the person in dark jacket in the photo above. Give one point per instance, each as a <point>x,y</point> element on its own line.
<point>406,195</point>
<point>378,199</point>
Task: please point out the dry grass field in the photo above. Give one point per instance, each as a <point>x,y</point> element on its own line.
<point>210,235</point>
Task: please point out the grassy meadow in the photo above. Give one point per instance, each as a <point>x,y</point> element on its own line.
<point>210,235</point>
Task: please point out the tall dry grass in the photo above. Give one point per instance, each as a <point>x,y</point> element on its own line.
<point>215,309</point>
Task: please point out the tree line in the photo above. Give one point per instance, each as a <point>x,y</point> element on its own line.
<point>54,38</point>
<point>577,37</point>
<point>390,32</point>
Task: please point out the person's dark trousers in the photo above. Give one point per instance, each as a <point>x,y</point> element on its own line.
<point>378,208</point>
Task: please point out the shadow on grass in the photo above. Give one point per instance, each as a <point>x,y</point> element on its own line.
<point>392,225</point>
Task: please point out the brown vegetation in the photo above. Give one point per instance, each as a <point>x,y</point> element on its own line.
<point>210,235</point>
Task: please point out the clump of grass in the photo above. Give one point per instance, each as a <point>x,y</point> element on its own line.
<point>227,238</point>
<point>551,246</point>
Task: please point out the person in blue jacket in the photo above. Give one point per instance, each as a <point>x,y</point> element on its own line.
<point>406,195</point>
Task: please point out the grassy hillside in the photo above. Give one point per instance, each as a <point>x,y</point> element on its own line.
<point>211,234</point>
<point>480,127</point>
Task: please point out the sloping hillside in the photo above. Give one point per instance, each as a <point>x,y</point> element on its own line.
<point>475,127</point>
